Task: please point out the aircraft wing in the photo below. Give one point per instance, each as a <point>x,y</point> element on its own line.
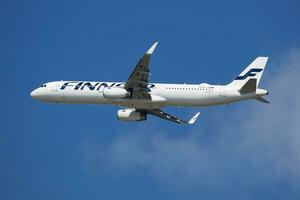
<point>139,78</point>
<point>164,115</point>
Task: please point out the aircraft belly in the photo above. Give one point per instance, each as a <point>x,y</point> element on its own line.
<point>139,103</point>
<point>85,97</point>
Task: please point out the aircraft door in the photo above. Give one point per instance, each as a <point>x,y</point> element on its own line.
<point>55,87</point>
<point>222,94</point>
<point>101,89</point>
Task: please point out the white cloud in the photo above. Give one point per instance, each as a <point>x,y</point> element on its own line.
<point>261,144</point>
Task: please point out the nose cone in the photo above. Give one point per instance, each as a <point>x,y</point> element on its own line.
<point>34,94</point>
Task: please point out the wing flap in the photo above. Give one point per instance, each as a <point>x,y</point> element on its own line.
<point>166,116</point>
<point>139,78</point>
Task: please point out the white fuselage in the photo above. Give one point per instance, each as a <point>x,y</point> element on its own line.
<point>161,95</point>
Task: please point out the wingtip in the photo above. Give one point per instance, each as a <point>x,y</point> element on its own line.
<point>152,48</point>
<point>194,118</point>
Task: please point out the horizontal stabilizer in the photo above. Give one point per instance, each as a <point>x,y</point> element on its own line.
<point>249,86</point>
<point>260,99</point>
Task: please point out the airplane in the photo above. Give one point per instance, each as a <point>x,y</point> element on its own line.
<point>140,98</point>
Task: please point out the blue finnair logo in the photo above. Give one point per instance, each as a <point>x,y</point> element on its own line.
<point>80,85</point>
<point>252,72</point>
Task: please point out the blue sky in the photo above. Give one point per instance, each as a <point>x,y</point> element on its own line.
<point>241,151</point>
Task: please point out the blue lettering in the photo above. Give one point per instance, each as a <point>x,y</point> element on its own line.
<point>102,84</point>
<point>78,85</point>
<point>67,84</point>
<point>151,86</point>
<point>89,85</point>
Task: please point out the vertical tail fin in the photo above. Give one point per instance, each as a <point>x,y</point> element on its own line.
<point>253,71</point>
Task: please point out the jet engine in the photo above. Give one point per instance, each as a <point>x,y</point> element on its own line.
<point>131,115</point>
<point>115,93</point>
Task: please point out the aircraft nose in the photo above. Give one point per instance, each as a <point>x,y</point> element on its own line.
<point>34,94</point>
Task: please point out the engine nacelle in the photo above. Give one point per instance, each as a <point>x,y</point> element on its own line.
<point>115,93</point>
<point>131,115</point>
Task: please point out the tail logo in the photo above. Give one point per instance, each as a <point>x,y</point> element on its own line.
<point>252,72</point>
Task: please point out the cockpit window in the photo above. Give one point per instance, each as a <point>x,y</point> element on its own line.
<point>44,85</point>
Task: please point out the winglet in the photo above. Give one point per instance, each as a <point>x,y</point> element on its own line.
<point>152,48</point>
<point>193,119</point>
